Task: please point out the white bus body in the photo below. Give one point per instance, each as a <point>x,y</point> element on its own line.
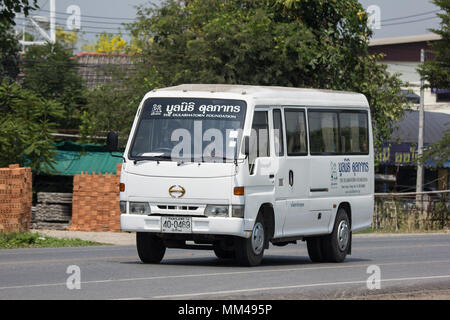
<point>312,179</point>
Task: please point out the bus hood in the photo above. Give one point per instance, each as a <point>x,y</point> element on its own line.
<point>169,182</point>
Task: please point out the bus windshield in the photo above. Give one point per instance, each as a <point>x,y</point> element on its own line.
<point>188,129</point>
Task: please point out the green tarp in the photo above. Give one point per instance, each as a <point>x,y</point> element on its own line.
<point>72,158</point>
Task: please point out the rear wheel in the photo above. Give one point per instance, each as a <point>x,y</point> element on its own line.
<point>151,249</point>
<point>250,252</point>
<point>315,249</point>
<point>336,245</point>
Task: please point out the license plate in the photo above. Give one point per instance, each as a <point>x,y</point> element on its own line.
<point>176,224</point>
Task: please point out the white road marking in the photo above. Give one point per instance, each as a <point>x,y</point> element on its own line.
<point>315,267</point>
<point>293,287</point>
<point>173,255</point>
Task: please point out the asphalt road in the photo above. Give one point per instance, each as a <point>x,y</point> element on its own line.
<point>406,264</point>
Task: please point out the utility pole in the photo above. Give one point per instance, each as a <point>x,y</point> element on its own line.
<point>419,183</point>
<point>52,22</point>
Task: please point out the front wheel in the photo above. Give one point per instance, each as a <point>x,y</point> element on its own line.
<point>151,249</point>
<point>250,252</point>
<point>221,253</point>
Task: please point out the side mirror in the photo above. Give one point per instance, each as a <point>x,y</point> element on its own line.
<point>246,146</point>
<point>112,141</point>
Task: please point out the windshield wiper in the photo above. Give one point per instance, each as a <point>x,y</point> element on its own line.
<point>153,158</point>
<point>217,159</point>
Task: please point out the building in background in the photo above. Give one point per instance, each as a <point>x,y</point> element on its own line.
<point>97,69</point>
<point>402,55</point>
<point>396,169</point>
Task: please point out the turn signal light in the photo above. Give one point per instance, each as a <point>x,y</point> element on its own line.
<point>122,187</point>
<point>238,191</point>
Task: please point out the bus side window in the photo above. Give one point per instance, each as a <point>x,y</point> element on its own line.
<point>278,132</point>
<point>354,128</point>
<point>323,132</point>
<point>295,132</point>
<point>259,139</point>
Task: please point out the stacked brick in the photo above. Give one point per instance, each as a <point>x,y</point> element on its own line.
<point>53,211</point>
<point>95,203</point>
<point>15,199</point>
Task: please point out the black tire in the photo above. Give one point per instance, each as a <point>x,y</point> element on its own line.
<point>222,253</point>
<point>151,249</point>
<point>250,252</point>
<point>336,245</point>
<point>314,245</point>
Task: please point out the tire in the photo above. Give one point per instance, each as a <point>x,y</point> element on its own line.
<point>150,248</point>
<point>250,252</point>
<point>336,245</point>
<point>315,249</point>
<point>222,253</point>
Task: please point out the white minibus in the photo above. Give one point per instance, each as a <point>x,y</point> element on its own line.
<point>233,168</point>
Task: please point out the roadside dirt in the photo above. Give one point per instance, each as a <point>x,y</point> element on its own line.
<point>419,295</point>
<point>436,291</point>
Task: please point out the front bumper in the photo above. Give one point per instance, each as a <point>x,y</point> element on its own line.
<point>200,225</point>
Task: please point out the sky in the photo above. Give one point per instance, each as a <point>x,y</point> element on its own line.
<point>396,18</point>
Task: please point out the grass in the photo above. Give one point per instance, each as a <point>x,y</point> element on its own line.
<point>15,240</point>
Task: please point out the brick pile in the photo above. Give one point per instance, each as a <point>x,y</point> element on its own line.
<point>15,198</point>
<point>52,211</point>
<point>95,203</point>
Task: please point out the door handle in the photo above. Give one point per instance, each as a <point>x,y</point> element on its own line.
<point>271,176</point>
<point>291,178</point>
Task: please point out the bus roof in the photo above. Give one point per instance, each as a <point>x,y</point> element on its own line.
<point>272,94</point>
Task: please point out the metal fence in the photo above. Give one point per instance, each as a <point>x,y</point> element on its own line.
<point>423,211</point>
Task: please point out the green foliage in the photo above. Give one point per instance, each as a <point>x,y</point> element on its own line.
<point>303,43</point>
<point>9,46</point>
<point>9,9</point>
<point>26,124</point>
<point>437,73</point>
<point>438,152</point>
<point>15,240</point>
<point>52,74</point>
<point>437,70</point>
<point>113,106</point>
<point>9,53</point>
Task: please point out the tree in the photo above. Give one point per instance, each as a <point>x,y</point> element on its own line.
<point>113,105</point>
<point>9,46</point>
<point>108,43</point>
<point>9,9</point>
<point>67,39</point>
<point>304,43</point>
<point>26,124</point>
<point>437,73</point>
<point>51,73</point>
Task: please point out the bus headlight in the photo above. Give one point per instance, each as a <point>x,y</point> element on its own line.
<point>139,208</point>
<point>216,211</point>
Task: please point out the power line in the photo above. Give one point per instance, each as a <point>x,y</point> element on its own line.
<point>411,16</point>
<point>130,19</point>
<point>83,20</point>
<point>97,17</point>
<point>408,22</point>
